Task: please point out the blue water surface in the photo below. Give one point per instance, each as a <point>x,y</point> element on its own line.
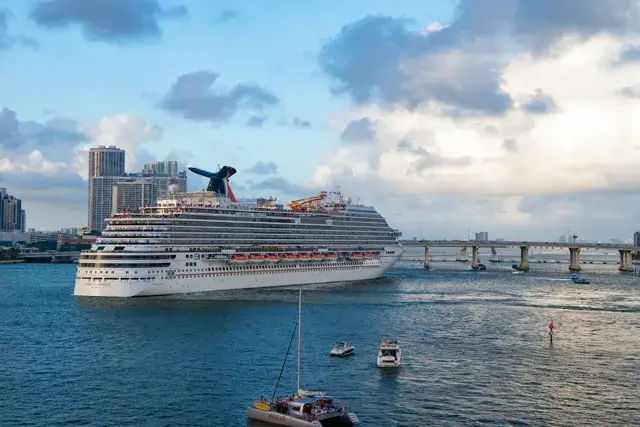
<point>476,351</point>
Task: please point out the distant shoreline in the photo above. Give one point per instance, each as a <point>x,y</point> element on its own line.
<point>11,261</point>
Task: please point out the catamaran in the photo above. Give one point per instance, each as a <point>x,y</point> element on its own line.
<point>303,408</point>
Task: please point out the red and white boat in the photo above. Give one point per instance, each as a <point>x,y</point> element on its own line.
<point>304,257</point>
<point>289,257</point>
<point>332,256</point>
<point>367,255</point>
<point>317,257</point>
<point>238,259</point>
<point>256,258</point>
<point>355,256</point>
<point>272,258</point>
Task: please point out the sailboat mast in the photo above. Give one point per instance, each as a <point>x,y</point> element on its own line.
<point>299,331</point>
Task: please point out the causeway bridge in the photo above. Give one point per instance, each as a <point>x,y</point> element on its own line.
<point>53,257</point>
<point>574,250</point>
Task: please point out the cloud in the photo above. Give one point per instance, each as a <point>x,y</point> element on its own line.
<point>192,98</point>
<point>539,103</point>
<point>262,168</point>
<point>358,131</point>
<point>226,15</point>
<point>392,61</point>
<point>47,162</point>
<point>8,40</point>
<point>301,123</point>
<point>431,116</point>
<point>111,21</point>
<point>630,54</point>
<point>256,121</point>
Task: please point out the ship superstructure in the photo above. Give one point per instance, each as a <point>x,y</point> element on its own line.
<point>209,241</point>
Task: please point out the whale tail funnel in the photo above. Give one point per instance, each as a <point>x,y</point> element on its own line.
<point>218,181</point>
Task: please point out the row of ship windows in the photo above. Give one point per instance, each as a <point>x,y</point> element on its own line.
<point>280,215</point>
<point>241,234</point>
<point>287,267</point>
<point>244,221</point>
<point>233,243</point>
<point>267,227</point>
<point>232,239</point>
<point>131,257</point>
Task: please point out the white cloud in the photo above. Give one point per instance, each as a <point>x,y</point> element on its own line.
<point>125,131</point>
<point>33,161</point>
<point>589,143</point>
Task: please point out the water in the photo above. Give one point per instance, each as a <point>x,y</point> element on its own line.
<point>475,350</point>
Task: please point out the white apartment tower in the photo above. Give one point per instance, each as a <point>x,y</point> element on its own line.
<point>106,166</point>
<point>131,194</point>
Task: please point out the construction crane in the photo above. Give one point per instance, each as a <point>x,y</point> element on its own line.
<point>304,204</point>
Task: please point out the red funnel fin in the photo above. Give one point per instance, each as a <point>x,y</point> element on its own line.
<point>232,197</point>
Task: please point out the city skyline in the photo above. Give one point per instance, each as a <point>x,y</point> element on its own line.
<point>422,110</point>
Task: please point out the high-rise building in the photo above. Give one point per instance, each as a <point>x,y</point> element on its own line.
<point>11,212</point>
<point>482,236</point>
<point>101,200</point>
<point>166,167</point>
<point>636,238</point>
<point>562,239</point>
<point>131,194</point>
<point>23,215</point>
<point>108,163</point>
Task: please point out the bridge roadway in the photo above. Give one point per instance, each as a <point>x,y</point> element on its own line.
<point>55,257</point>
<point>574,250</point>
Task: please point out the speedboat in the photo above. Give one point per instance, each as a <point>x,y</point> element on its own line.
<point>342,349</point>
<point>578,280</point>
<point>303,408</point>
<point>389,354</point>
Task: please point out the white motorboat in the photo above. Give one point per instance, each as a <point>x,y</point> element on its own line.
<point>304,408</point>
<point>342,349</point>
<point>389,354</point>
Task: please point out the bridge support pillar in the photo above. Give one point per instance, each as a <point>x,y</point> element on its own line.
<point>475,261</point>
<point>462,255</point>
<point>426,257</point>
<point>574,259</point>
<point>625,260</point>
<point>524,258</point>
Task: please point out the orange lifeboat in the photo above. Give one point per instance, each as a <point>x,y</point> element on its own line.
<point>289,257</point>
<point>317,257</point>
<point>355,256</point>
<point>257,258</point>
<point>272,258</point>
<point>304,257</point>
<point>367,255</point>
<point>238,259</point>
<point>332,256</point>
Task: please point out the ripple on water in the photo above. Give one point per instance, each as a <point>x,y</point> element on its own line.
<point>475,349</point>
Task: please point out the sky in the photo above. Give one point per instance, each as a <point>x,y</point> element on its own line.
<point>514,117</point>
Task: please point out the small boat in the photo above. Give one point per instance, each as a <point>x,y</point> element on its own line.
<point>355,256</point>
<point>238,259</point>
<point>317,257</point>
<point>304,257</point>
<point>290,257</point>
<point>367,255</point>
<point>389,354</point>
<point>256,258</point>
<point>342,349</point>
<point>332,256</point>
<point>304,408</point>
<point>272,258</point>
<point>575,278</point>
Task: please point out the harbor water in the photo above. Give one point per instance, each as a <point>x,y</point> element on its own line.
<point>476,350</point>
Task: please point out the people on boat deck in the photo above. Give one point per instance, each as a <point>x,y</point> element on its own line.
<point>262,400</point>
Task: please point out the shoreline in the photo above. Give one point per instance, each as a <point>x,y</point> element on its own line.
<point>11,261</point>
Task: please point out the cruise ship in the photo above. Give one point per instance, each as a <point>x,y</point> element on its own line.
<point>209,241</point>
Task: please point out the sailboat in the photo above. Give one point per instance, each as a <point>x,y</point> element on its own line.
<point>303,408</point>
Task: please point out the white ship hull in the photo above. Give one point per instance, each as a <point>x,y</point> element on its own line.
<point>176,279</point>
